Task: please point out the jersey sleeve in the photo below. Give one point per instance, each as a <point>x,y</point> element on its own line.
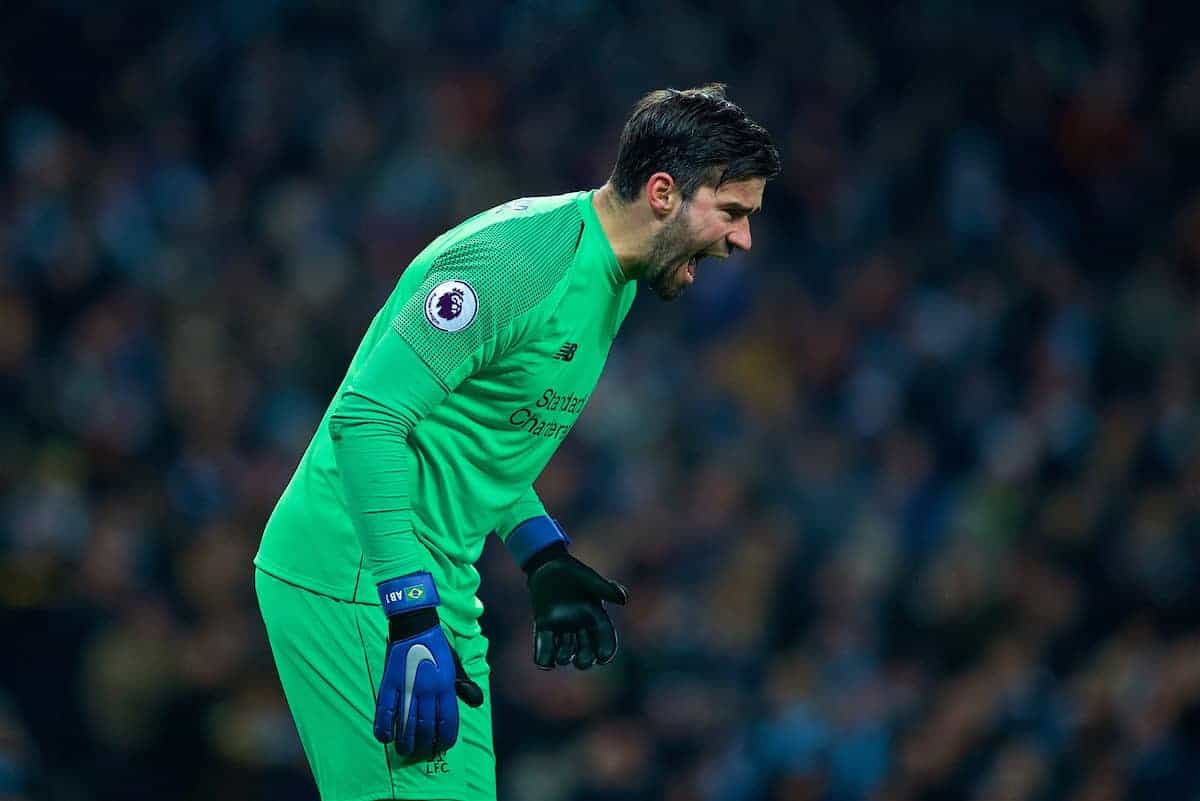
<point>369,428</point>
<point>467,312</point>
<point>528,506</point>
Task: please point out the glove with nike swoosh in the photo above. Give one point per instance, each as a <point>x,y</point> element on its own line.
<point>423,679</point>
<point>570,621</point>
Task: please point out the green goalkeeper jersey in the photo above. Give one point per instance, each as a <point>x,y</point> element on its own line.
<point>468,378</point>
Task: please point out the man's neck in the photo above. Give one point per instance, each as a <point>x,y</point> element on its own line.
<point>625,233</point>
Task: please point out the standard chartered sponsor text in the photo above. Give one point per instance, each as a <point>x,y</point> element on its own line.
<point>545,419</point>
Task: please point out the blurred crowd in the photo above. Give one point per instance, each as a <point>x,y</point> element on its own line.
<point>908,497</point>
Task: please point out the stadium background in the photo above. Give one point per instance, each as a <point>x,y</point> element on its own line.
<point>908,498</point>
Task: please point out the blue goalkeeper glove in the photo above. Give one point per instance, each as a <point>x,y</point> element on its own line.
<point>570,621</point>
<point>417,708</point>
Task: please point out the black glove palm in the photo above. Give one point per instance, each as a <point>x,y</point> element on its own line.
<point>570,622</point>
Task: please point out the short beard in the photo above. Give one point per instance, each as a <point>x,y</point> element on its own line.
<point>667,249</point>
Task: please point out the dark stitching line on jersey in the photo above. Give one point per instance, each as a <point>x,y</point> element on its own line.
<point>358,575</point>
<point>387,757</point>
<point>578,239</point>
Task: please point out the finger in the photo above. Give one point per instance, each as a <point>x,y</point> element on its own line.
<point>605,589</point>
<point>464,687</point>
<point>470,692</point>
<point>606,640</point>
<point>543,648</point>
<point>459,670</point>
<point>566,648</point>
<point>438,726</point>
<point>619,594</point>
<point>406,730</point>
<point>385,714</point>
<point>585,656</point>
<point>425,727</point>
<point>447,722</point>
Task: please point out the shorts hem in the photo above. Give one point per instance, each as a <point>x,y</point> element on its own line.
<point>389,795</point>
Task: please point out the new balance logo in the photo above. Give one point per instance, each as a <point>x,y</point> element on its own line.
<point>567,351</point>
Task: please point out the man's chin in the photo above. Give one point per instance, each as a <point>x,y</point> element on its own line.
<point>666,291</point>
<point>666,287</point>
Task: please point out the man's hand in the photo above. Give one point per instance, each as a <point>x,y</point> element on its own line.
<point>570,623</point>
<point>417,708</point>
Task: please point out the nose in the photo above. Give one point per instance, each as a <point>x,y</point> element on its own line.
<point>739,237</point>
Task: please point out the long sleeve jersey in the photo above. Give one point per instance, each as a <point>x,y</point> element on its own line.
<point>468,378</point>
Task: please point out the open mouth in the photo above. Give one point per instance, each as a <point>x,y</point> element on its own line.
<point>691,266</point>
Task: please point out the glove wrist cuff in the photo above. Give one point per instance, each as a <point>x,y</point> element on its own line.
<point>534,535</point>
<point>410,624</point>
<point>548,554</point>
<point>408,593</point>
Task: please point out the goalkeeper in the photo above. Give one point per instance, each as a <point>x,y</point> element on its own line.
<point>466,381</point>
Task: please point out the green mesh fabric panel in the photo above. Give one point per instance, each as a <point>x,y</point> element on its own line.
<point>512,265</point>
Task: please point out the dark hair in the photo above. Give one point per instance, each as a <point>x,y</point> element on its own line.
<point>697,136</point>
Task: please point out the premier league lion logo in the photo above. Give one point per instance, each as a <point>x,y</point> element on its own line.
<point>450,304</point>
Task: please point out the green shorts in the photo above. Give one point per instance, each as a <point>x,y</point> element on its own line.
<point>329,654</point>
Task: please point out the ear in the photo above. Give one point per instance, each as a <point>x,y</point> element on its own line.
<point>662,194</point>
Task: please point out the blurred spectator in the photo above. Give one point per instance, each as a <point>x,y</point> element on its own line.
<point>908,498</point>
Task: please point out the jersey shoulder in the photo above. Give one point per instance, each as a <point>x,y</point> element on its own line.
<point>523,247</point>
<point>482,276</point>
